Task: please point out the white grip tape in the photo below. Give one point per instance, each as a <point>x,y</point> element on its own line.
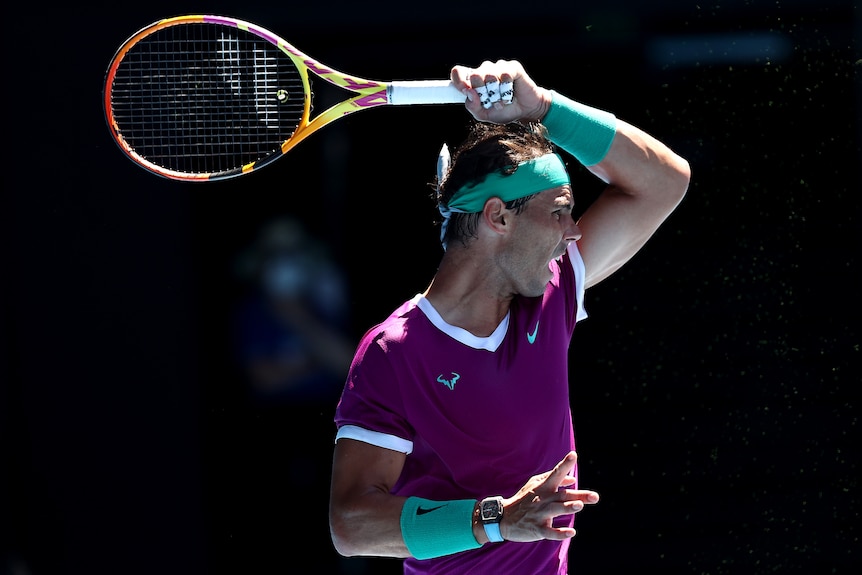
<point>507,92</point>
<point>492,92</point>
<point>407,92</point>
<point>484,98</point>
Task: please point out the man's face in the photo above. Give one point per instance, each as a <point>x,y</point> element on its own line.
<point>540,235</point>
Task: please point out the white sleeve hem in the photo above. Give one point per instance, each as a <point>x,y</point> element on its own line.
<point>580,278</point>
<point>384,440</point>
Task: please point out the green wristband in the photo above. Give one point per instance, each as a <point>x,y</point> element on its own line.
<point>584,132</point>
<point>436,528</point>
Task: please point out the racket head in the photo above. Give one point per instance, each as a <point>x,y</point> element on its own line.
<point>202,98</point>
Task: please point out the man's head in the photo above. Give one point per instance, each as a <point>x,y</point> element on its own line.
<point>484,165</point>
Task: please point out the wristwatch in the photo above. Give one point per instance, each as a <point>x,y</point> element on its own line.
<point>490,514</point>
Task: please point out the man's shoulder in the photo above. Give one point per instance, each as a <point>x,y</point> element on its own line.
<point>395,326</point>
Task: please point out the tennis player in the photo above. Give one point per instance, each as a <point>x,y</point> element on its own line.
<point>455,448</point>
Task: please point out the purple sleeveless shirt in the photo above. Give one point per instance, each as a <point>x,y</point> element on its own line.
<point>475,416</point>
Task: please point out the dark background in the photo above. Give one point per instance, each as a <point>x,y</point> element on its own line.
<point>715,387</point>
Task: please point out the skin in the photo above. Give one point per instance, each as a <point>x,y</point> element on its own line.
<point>473,289</point>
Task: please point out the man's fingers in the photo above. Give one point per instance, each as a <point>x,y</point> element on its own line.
<point>568,480</point>
<point>490,83</point>
<point>507,92</point>
<point>559,533</point>
<point>567,464</point>
<point>560,475</point>
<point>582,496</point>
<point>488,88</point>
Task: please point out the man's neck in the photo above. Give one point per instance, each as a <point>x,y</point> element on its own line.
<point>465,295</point>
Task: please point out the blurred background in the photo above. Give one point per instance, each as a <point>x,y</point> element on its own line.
<point>171,354</point>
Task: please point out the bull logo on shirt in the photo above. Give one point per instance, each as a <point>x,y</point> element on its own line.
<point>450,383</point>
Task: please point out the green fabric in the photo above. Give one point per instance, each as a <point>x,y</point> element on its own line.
<point>584,132</point>
<point>531,176</point>
<point>436,528</point>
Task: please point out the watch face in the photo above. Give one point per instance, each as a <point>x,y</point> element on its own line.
<point>491,510</point>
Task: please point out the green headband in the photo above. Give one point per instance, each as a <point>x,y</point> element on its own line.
<point>532,176</point>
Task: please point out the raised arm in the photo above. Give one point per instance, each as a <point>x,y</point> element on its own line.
<point>646,179</point>
<point>646,182</point>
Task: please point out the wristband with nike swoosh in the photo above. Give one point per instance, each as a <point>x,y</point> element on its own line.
<point>437,528</point>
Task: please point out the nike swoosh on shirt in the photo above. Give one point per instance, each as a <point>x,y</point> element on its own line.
<point>531,337</point>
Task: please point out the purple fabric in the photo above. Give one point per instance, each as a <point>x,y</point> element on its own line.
<point>481,422</point>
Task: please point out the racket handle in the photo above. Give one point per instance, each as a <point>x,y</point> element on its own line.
<point>404,93</point>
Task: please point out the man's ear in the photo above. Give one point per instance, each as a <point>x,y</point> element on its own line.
<point>495,215</point>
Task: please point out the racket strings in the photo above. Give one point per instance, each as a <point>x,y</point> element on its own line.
<point>206,98</point>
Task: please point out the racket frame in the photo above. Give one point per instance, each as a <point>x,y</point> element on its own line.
<point>367,94</point>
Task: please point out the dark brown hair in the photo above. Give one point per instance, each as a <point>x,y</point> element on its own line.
<point>487,148</point>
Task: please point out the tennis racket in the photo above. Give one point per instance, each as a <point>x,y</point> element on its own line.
<point>203,98</point>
